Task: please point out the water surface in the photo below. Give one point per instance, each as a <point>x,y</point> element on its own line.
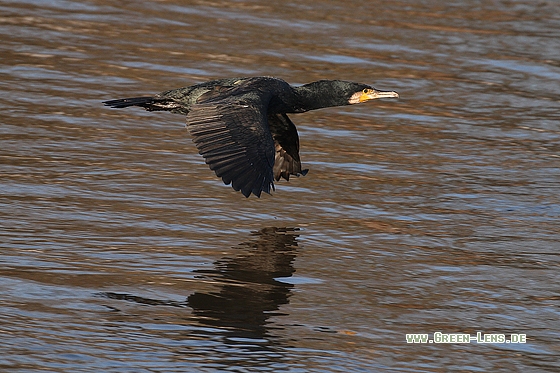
<point>122,252</point>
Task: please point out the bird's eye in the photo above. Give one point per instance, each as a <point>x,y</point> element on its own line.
<point>367,90</point>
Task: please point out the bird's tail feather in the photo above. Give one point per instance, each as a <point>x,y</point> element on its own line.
<point>145,102</point>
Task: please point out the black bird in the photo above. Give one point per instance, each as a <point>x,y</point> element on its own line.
<point>240,125</point>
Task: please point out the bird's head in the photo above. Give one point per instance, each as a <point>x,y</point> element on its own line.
<point>327,93</point>
<point>362,93</point>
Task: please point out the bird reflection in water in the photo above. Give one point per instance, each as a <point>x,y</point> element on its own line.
<point>248,292</point>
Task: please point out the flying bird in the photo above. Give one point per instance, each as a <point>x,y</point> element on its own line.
<point>241,127</point>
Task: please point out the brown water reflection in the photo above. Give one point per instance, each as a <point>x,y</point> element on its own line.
<point>250,287</point>
<point>233,318</point>
<point>438,212</point>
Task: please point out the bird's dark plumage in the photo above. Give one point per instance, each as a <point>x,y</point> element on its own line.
<point>240,125</point>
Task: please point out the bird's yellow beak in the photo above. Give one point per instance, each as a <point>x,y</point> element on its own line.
<point>371,94</point>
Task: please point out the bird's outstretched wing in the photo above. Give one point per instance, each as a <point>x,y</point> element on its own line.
<point>232,135</point>
<point>286,143</point>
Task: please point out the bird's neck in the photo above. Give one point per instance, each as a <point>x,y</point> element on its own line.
<point>313,96</point>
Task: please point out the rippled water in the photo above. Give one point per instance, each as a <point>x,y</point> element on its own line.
<point>122,252</point>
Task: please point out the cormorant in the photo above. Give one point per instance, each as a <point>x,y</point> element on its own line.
<point>240,125</point>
